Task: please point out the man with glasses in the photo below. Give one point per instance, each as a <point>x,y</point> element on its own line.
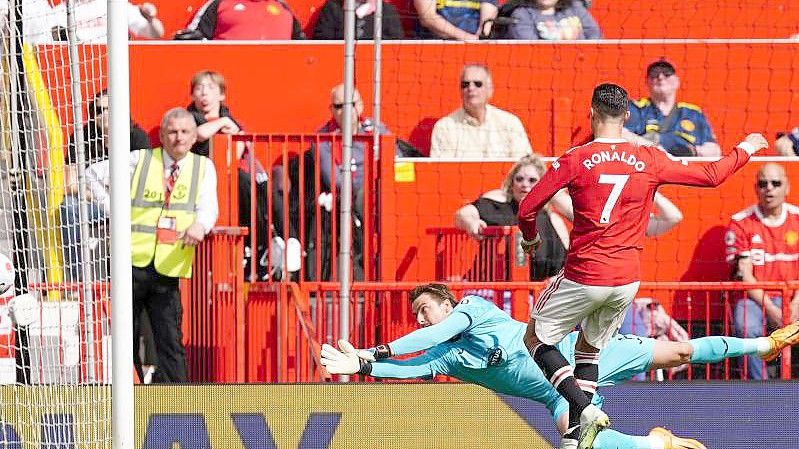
<point>763,245</point>
<point>678,127</point>
<point>477,129</point>
<point>331,175</point>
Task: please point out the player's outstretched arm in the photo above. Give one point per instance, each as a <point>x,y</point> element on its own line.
<point>421,339</point>
<point>346,361</point>
<point>707,174</point>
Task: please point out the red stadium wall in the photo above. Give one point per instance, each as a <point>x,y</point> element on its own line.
<point>735,19</point>
<point>284,87</point>
<point>276,87</point>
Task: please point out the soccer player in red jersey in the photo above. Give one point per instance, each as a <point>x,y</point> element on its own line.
<point>612,184</point>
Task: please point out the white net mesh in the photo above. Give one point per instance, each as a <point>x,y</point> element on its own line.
<point>54,330</point>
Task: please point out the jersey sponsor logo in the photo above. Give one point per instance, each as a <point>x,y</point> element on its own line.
<point>791,237</point>
<point>613,156</point>
<point>687,125</point>
<point>757,240</point>
<point>495,356</point>
<point>729,238</point>
<point>555,165</point>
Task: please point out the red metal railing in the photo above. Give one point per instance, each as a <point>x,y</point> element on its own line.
<point>214,315</point>
<point>497,257</point>
<point>380,312</point>
<point>303,200</point>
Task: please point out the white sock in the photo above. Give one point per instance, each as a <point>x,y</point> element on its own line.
<point>763,345</point>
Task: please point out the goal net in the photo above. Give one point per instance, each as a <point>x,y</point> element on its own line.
<point>54,322</point>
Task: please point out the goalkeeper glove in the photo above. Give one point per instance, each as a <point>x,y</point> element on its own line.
<point>345,361</point>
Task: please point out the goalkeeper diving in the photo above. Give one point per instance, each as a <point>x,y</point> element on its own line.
<point>476,342</point>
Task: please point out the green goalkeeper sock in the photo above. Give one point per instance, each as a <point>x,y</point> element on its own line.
<point>716,349</point>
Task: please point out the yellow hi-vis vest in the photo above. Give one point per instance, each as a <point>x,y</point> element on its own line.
<point>147,207</point>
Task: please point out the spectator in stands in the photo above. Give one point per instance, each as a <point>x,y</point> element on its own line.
<point>330,156</point>
<point>455,19</point>
<point>680,128</point>
<point>763,245</point>
<point>500,207</point>
<point>477,129</point>
<point>788,144</point>
<point>94,134</point>
<point>91,17</point>
<point>245,20</point>
<point>212,117</point>
<point>552,20</point>
<point>175,214</point>
<point>330,25</point>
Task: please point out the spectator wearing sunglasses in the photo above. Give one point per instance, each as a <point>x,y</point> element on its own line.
<point>499,207</point>
<point>478,129</point>
<point>678,127</point>
<point>763,245</point>
<point>331,173</point>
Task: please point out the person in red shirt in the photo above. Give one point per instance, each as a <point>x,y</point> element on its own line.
<point>763,244</point>
<point>246,20</point>
<point>612,184</point>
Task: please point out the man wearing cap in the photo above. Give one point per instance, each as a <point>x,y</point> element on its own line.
<point>678,127</point>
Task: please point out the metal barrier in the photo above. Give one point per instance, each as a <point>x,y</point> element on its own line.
<point>214,316</point>
<point>294,193</point>
<point>497,257</point>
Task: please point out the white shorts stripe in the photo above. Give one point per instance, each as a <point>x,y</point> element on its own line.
<point>551,288</point>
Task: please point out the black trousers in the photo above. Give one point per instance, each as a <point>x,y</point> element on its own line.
<point>159,297</point>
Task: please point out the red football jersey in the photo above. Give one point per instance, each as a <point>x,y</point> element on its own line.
<point>612,185</point>
<point>773,250</point>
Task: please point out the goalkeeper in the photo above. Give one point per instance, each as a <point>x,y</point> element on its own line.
<point>476,342</point>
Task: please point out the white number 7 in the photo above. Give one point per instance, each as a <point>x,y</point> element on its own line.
<point>618,182</point>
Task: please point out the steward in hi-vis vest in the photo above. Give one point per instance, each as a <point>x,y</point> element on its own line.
<point>157,219</point>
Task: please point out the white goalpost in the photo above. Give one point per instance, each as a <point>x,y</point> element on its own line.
<point>65,225</point>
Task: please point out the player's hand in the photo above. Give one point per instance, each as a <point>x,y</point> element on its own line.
<point>337,362</point>
<point>529,246</point>
<point>476,230</point>
<point>757,140</point>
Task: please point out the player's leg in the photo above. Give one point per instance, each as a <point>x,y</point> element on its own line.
<point>658,438</point>
<point>748,320</point>
<point>668,354</point>
<point>558,310</point>
<point>609,306</point>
